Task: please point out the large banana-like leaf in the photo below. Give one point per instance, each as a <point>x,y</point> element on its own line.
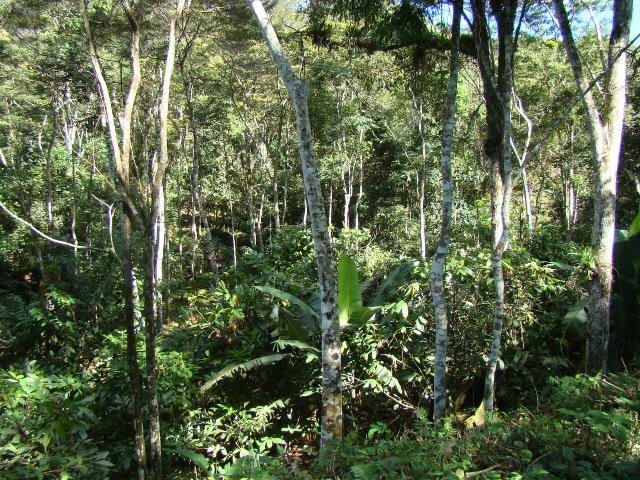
<point>300,323</point>
<point>349,297</point>
<point>281,343</point>
<point>231,370</point>
<point>391,282</point>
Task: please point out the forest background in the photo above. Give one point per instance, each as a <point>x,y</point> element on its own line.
<point>374,258</point>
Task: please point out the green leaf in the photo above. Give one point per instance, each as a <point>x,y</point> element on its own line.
<point>231,370</point>
<point>635,226</point>
<point>281,343</point>
<point>361,315</point>
<point>300,324</point>
<point>349,297</point>
<point>292,326</point>
<point>198,459</point>
<point>390,283</point>
<point>289,298</point>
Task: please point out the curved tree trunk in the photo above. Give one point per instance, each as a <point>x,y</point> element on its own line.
<point>331,416</point>
<point>497,148</point>
<point>120,158</point>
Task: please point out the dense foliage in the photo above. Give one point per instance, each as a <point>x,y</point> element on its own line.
<point>238,352</point>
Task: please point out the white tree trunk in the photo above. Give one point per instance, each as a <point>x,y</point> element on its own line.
<point>331,416</point>
<point>440,256</point>
<point>605,136</point>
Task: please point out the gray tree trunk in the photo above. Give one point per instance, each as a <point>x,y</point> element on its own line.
<point>155,249</point>
<point>497,91</point>
<point>605,136</point>
<point>195,178</point>
<point>331,414</point>
<point>440,256</point>
<point>121,158</point>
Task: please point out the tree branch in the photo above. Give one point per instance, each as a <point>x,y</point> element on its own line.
<point>567,111</point>
<point>41,234</point>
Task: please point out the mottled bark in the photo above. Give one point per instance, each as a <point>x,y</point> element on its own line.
<point>440,256</point>
<point>605,136</point>
<point>497,87</point>
<point>120,158</point>
<point>331,414</point>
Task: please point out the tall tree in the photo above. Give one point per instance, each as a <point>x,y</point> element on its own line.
<point>440,256</point>
<point>331,416</point>
<point>121,151</point>
<point>605,122</point>
<point>154,245</point>
<point>497,88</point>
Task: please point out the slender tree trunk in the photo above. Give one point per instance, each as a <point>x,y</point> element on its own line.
<point>259,223</point>
<point>195,176</point>
<point>420,174</point>
<point>347,188</point>
<point>274,187</point>
<point>159,237</point>
<point>130,294</point>
<point>167,283</point>
<point>423,220</point>
<point>497,91</point>
<point>285,193</point>
<point>121,170</point>
<point>298,89</point>
<point>253,236</point>
<point>568,192</point>
<point>155,248</point>
<point>440,256</point>
<point>194,234</point>
<point>360,183</point>
<point>605,136</point>
<point>329,221</point>
<point>306,211</point>
<point>47,158</point>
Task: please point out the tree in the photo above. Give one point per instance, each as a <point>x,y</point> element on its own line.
<point>331,416</point>
<point>497,88</point>
<point>440,256</point>
<point>605,135</point>
<point>121,154</point>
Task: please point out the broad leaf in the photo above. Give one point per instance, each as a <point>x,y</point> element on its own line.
<point>299,324</point>
<point>349,297</point>
<point>198,459</point>
<point>294,326</point>
<point>362,315</point>
<point>231,370</point>
<point>390,283</point>
<point>281,343</point>
<point>635,226</point>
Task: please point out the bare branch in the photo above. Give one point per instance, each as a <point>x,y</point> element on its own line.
<point>41,234</point>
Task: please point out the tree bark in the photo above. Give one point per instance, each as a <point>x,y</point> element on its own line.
<point>331,415</point>
<point>155,249</point>
<point>605,136</point>
<point>440,256</point>
<point>195,177</point>
<point>497,148</point>
<point>360,195</point>
<point>120,159</point>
